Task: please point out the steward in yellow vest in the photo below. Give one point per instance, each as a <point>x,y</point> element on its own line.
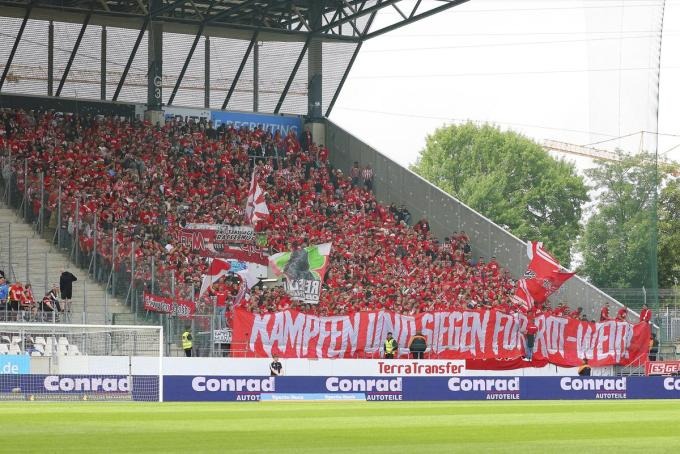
<point>187,342</point>
<point>391,347</point>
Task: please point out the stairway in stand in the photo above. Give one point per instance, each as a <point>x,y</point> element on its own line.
<point>26,257</point>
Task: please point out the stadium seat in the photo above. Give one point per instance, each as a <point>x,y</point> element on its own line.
<point>63,341</point>
<point>39,340</point>
<point>4,350</point>
<point>14,349</point>
<point>73,350</point>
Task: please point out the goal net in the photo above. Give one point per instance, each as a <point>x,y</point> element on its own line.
<point>80,362</point>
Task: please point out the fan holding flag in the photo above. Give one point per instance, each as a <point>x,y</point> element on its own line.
<point>543,277</point>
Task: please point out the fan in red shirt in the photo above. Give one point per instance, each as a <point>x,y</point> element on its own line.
<point>16,295</point>
<point>645,314</point>
<point>622,314</point>
<point>530,337</point>
<point>604,313</point>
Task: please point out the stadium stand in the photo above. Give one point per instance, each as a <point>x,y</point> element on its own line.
<point>147,182</point>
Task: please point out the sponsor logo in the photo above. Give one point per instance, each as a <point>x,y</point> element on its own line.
<point>484,384</point>
<point>204,384</point>
<point>593,384</point>
<point>671,384</point>
<point>420,369</point>
<point>15,364</point>
<point>663,367</point>
<point>495,388</point>
<point>79,384</point>
<point>616,386</point>
<point>337,384</point>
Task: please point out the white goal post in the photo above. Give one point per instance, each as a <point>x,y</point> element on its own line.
<point>45,361</point>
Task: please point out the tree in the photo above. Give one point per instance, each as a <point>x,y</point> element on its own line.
<point>669,235</point>
<point>617,243</point>
<point>510,179</point>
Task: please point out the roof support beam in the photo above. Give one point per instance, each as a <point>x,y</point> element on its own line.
<point>228,12</point>
<point>350,64</point>
<point>15,46</point>
<point>73,55</point>
<point>186,65</point>
<point>358,14</point>
<point>415,17</point>
<point>130,60</point>
<point>291,78</point>
<point>253,42</point>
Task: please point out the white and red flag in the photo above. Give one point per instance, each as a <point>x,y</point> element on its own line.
<point>542,278</point>
<point>256,206</point>
<point>216,270</point>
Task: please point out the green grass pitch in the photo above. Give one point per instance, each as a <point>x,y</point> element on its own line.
<point>338,427</point>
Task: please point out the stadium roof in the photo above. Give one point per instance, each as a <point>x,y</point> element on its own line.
<point>267,50</point>
<point>347,20</point>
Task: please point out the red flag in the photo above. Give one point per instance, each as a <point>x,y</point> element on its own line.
<point>543,277</point>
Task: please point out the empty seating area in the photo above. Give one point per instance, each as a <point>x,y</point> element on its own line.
<point>37,346</point>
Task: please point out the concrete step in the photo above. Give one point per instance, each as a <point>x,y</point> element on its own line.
<point>19,244</point>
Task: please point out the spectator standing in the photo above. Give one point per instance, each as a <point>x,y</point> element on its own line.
<point>604,312</point>
<point>275,368</point>
<point>66,281</point>
<point>187,342</point>
<point>645,314</point>
<point>584,369</point>
<point>653,347</point>
<point>368,175</point>
<point>530,339</point>
<point>355,174</point>
<point>417,345</point>
<point>4,290</point>
<point>391,347</point>
<point>622,314</point>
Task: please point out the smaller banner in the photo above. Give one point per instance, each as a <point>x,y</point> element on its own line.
<point>222,241</point>
<point>222,233</point>
<point>161,304</point>
<point>304,270</point>
<point>662,368</point>
<point>222,336</point>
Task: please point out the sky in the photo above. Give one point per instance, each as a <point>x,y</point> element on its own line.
<point>577,71</point>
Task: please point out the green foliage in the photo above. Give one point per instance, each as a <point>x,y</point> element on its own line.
<point>510,179</point>
<point>669,235</point>
<point>618,242</point>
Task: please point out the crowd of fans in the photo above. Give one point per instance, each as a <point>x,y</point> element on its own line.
<point>145,182</point>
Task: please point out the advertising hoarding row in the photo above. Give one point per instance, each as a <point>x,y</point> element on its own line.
<point>195,388</point>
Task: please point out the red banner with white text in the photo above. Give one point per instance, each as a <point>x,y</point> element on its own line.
<point>473,334</point>
<point>222,241</point>
<point>179,308</point>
